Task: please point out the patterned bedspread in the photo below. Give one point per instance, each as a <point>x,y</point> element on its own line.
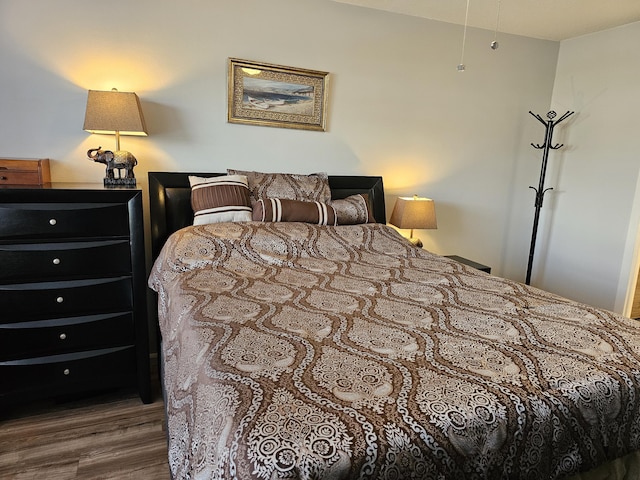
<point>301,351</point>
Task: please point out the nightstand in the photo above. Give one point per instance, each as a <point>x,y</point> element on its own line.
<point>72,292</point>
<point>470,263</point>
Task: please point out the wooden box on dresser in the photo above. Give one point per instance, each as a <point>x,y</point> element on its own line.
<point>73,313</point>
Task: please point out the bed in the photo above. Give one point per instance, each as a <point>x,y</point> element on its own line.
<point>295,350</point>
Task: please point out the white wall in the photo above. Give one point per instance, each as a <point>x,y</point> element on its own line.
<point>397,108</point>
<point>592,217</point>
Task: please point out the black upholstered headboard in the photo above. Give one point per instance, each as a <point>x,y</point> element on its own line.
<point>170,200</point>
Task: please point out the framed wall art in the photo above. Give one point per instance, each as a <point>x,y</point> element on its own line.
<point>276,96</point>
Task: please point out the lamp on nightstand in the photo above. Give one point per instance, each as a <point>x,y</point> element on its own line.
<point>414,213</point>
<point>114,113</point>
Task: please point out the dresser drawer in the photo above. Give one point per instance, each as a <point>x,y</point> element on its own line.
<point>34,301</point>
<point>55,260</point>
<point>60,335</point>
<point>56,220</point>
<point>11,177</point>
<point>60,374</point>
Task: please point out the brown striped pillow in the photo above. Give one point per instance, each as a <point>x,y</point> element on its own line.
<point>220,199</point>
<point>284,210</point>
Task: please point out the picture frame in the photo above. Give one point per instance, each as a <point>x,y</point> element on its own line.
<point>276,96</point>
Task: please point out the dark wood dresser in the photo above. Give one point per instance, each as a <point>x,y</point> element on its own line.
<point>73,313</point>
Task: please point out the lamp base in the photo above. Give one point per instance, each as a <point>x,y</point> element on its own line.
<point>119,182</point>
<point>415,241</point>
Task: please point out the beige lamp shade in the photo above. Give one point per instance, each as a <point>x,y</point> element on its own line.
<point>414,213</point>
<point>115,113</point>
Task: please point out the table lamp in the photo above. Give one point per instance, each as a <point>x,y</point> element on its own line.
<point>414,213</point>
<point>114,113</point>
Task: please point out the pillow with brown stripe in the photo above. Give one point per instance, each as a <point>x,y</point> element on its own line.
<point>284,210</point>
<point>353,210</point>
<point>220,199</point>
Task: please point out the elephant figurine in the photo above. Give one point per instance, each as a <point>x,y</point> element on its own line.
<point>120,160</point>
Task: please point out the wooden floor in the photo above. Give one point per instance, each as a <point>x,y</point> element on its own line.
<point>111,436</point>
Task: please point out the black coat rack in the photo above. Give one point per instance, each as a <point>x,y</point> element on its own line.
<point>540,191</point>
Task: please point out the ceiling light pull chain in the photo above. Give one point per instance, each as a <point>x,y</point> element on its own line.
<point>461,66</point>
<point>495,44</point>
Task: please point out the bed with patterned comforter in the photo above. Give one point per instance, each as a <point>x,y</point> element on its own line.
<point>293,350</point>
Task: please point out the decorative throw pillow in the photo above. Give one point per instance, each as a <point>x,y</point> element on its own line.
<point>353,210</point>
<point>284,210</point>
<point>290,186</point>
<point>220,199</point>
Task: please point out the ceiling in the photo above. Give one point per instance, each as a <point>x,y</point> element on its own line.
<point>544,19</point>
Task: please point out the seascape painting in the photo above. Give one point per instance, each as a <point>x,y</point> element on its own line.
<point>272,95</point>
<point>277,96</point>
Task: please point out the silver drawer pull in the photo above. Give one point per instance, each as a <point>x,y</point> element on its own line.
<point>53,221</point>
<point>63,336</point>
<point>66,371</point>
<point>60,299</point>
<point>4,178</point>
<point>56,261</point>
